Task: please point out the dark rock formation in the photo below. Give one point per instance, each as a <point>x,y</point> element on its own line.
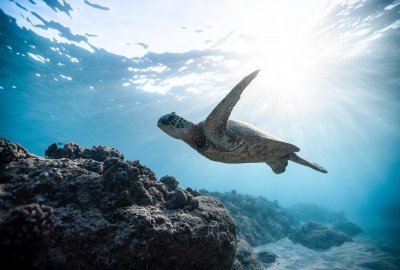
<point>246,259</point>
<point>75,151</point>
<point>303,212</point>
<point>195,193</point>
<point>267,257</point>
<point>348,227</point>
<point>10,152</point>
<point>178,199</point>
<point>317,236</point>
<point>259,221</point>
<point>88,209</point>
<point>170,182</point>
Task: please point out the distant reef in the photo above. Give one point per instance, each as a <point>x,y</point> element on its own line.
<point>90,209</point>
<point>258,220</point>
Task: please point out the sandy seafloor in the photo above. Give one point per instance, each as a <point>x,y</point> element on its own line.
<point>355,255</point>
<point>376,249</point>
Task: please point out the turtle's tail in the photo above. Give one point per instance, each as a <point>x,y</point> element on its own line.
<point>295,158</point>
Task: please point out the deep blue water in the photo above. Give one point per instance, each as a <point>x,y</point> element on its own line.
<point>98,73</point>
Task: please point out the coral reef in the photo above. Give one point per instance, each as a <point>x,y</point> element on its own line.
<point>75,151</point>
<point>90,209</point>
<point>258,220</point>
<point>10,152</point>
<point>318,237</point>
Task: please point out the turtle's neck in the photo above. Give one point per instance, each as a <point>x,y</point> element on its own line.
<point>195,137</point>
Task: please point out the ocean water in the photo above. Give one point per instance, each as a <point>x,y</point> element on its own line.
<point>103,72</point>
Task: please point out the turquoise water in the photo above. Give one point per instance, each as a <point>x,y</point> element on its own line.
<point>101,73</point>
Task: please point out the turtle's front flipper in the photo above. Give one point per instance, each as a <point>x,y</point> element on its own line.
<point>216,121</point>
<point>295,158</point>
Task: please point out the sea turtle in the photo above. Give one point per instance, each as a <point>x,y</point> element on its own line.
<point>230,141</point>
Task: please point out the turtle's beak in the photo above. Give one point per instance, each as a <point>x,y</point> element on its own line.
<point>160,122</point>
<point>166,119</point>
<point>163,121</point>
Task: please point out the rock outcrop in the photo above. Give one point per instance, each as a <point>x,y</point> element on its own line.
<point>259,221</point>
<point>75,151</point>
<point>90,209</point>
<point>348,227</point>
<point>318,237</point>
<point>267,257</point>
<point>246,258</point>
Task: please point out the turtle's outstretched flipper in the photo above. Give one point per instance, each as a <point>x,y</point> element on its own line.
<point>216,121</point>
<point>295,158</point>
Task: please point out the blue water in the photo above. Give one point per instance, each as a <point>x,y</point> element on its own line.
<point>102,73</point>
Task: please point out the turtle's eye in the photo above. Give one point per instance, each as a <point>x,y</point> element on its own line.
<point>164,121</point>
<point>170,118</point>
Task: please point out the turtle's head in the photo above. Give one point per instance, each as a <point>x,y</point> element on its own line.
<point>175,126</point>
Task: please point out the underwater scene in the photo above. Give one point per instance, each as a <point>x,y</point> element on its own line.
<point>178,134</point>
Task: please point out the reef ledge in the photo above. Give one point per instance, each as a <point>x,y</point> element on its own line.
<point>89,209</point>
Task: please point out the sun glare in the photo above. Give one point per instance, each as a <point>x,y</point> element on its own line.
<point>280,40</point>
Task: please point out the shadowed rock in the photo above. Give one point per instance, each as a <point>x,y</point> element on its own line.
<point>317,236</point>
<point>348,227</point>
<point>89,209</point>
<point>267,257</point>
<point>170,182</point>
<point>246,259</point>
<point>10,152</point>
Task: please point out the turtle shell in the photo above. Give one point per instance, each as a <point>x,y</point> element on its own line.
<point>252,134</point>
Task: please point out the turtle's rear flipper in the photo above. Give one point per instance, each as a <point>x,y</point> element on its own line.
<point>278,166</point>
<point>295,158</point>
